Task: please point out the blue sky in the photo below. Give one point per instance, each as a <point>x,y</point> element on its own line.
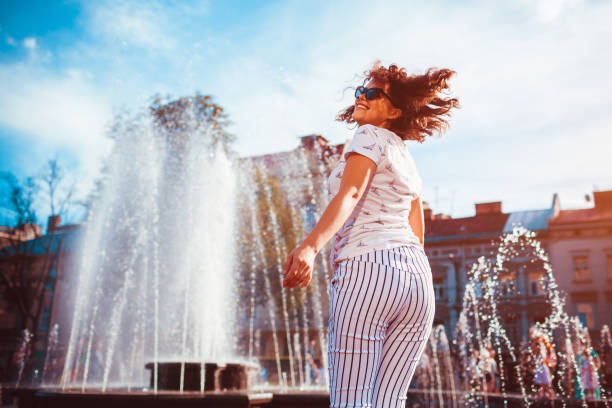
<point>532,77</point>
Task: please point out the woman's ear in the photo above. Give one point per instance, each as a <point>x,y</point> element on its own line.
<point>395,113</point>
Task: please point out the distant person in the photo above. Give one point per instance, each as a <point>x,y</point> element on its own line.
<point>313,368</point>
<point>475,370</point>
<point>490,368</point>
<point>606,365</point>
<point>589,364</point>
<point>97,362</point>
<point>545,360</point>
<point>381,294</point>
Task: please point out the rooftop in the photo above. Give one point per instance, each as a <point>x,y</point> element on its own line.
<point>489,221</point>
<point>600,212</point>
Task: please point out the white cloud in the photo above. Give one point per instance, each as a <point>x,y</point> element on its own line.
<point>149,24</point>
<point>29,42</point>
<point>545,11</point>
<point>11,41</point>
<point>61,112</point>
<point>534,97</point>
<point>530,76</point>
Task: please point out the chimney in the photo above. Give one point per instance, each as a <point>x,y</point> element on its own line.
<point>489,208</point>
<point>603,199</point>
<point>556,205</point>
<point>52,223</point>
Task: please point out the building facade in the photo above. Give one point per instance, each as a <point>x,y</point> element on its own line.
<point>579,243</point>
<point>39,264</point>
<point>453,246</point>
<point>580,247</point>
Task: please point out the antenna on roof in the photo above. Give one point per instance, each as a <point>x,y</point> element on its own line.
<point>436,188</point>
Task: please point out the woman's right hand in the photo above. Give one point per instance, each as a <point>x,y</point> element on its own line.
<point>299,266</point>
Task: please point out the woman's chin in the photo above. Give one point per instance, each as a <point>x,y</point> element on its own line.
<point>358,117</point>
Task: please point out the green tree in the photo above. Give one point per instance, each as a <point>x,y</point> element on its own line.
<point>198,113</point>
<point>267,204</point>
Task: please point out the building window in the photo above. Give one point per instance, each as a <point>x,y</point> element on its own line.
<point>535,288</point>
<point>585,314</point>
<point>478,290</point>
<point>507,288</point>
<point>581,267</point>
<point>536,285</point>
<point>439,290</point>
<point>435,252</point>
<point>477,250</point>
<point>508,284</point>
<point>609,264</point>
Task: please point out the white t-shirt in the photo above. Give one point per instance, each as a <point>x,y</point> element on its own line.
<point>380,219</point>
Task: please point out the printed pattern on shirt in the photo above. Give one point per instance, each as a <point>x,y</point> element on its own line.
<point>379,221</point>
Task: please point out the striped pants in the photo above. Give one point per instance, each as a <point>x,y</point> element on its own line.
<point>380,316</point>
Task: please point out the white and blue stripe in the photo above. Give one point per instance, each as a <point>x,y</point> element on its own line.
<point>380,317</point>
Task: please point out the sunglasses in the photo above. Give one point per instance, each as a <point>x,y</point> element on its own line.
<point>370,93</point>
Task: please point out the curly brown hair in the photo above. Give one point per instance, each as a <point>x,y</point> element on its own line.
<point>418,96</point>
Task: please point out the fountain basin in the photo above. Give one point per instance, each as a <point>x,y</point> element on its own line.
<point>50,398</point>
<point>217,376</point>
<point>72,398</point>
<point>55,398</point>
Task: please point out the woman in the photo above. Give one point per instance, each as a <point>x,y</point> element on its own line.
<point>589,365</point>
<point>490,368</point>
<point>381,295</point>
<point>545,359</point>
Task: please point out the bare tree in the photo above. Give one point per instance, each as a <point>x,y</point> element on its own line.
<point>27,258</point>
<point>19,197</point>
<point>57,187</point>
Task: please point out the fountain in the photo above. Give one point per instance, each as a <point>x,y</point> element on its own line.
<point>152,287</point>
<point>453,373</point>
<point>178,296</point>
<point>480,329</point>
<point>156,305</point>
<point>22,353</point>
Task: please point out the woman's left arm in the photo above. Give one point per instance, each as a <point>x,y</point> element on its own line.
<point>358,172</point>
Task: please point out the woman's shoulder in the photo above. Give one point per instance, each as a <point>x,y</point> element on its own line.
<point>379,131</point>
<point>367,130</point>
<point>381,135</point>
